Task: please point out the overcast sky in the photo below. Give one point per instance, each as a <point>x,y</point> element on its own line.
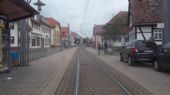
<point>71,11</point>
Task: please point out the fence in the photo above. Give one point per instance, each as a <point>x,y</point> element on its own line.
<point>30,55</point>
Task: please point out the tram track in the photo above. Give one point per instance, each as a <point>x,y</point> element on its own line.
<point>88,75</point>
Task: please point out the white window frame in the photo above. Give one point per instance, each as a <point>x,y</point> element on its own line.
<point>158,34</point>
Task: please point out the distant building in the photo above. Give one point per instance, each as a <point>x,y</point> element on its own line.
<point>98,35</point>
<point>74,39</point>
<point>145,20</point>
<point>55,32</point>
<point>119,22</point>
<point>64,37</point>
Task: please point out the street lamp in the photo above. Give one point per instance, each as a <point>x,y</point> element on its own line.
<point>39,4</point>
<point>28,1</point>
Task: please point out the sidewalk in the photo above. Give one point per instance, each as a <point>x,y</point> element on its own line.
<point>42,77</point>
<point>156,82</point>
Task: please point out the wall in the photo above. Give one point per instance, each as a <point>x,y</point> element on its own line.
<point>14,33</point>
<point>147,31</point>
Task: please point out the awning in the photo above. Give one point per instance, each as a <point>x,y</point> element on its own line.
<point>15,10</point>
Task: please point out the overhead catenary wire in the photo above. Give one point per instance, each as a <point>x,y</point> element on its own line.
<point>84,17</point>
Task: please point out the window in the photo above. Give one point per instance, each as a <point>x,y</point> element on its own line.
<point>12,40</point>
<point>33,40</point>
<point>126,39</point>
<point>38,41</point>
<point>11,25</point>
<point>158,34</point>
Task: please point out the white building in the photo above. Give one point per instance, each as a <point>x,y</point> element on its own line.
<point>55,32</point>
<point>39,35</point>
<point>14,34</point>
<point>145,20</point>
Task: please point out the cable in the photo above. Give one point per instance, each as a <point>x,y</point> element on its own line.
<point>84,16</point>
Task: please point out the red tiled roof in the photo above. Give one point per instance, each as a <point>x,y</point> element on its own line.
<point>145,11</point>
<point>120,15</point>
<point>98,29</point>
<point>119,21</point>
<point>53,22</point>
<point>64,31</point>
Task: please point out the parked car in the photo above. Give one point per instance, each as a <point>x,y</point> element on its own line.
<point>138,51</point>
<point>162,60</point>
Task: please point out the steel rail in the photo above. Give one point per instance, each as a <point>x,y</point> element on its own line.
<point>114,79</point>
<point>77,90</point>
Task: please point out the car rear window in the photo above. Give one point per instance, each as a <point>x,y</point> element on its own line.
<point>144,45</point>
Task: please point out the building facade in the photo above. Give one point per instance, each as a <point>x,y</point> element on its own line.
<point>39,32</point>
<point>119,25</point>
<point>55,32</point>
<point>145,20</point>
<point>98,35</point>
<point>65,37</point>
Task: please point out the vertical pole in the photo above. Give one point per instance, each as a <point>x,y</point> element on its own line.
<point>1,44</point>
<point>23,42</point>
<point>68,35</point>
<point>166,33</point>
<point>6,44</point>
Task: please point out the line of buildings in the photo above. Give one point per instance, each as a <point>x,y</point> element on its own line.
<point>25,35</point>
<point>142,21</point>
<point>43,33</point>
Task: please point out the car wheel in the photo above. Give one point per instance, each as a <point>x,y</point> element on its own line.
<point>130,61</point>
<point>156,65</point>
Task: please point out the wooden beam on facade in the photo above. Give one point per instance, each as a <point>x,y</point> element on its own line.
<point>140,29</point>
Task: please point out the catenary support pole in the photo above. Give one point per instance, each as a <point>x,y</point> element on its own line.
<point>166,33</point>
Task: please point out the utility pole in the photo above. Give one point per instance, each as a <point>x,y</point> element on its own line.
<point>166,33</point>
<point>69,35</point>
